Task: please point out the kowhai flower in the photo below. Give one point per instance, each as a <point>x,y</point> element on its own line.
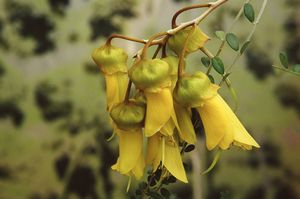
<point>222,127</point>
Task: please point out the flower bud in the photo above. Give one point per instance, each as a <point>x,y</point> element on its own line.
<point>128,115</point>
<point>192,90</point>
<point>197,39</point>
<point>150,74</point>
<point>110,59</point>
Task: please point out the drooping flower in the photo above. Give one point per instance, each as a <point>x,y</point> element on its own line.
<point>129,118</point>
<point>164,150</point>
<point>152,76</point>
<point>197,39</point>
<point>222,127</point>
<point>112,62</point>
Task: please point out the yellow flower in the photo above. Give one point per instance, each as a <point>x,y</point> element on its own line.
<point>131,158</point>
<point>164,150</point>
<point>152,76</point>
<point>128,118</point>
<point>112,62</point>
<point>221,126</point>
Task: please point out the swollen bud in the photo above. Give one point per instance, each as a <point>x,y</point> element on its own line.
<point>128,115</point>
<point>197,39</point>
<point>150,74</point>
<point>192,90</point>
<point>110,59</point>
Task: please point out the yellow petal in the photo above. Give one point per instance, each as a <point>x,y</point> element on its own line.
<point>138,170</point>
<point>116,86</point>
<point>111,90</point>
<point>159,109</point>
<point>122,79</point>
<point>221,125</point>
<point>153,149</point>
<point>187,132</point>
<point>168,128</point>
<point>173,162</point>
<point>215,122</point>
<point>130,149</point>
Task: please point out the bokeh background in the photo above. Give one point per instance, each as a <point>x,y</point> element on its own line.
<point>53,122</point>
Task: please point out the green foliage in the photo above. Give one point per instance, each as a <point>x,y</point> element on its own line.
<point>233,41</point>
<point>249,12</point>
<point>218,65</point>
<point>221,35</point>
<point>205,61</point>
<point>244,47</point>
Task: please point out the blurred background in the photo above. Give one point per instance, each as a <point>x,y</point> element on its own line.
<point>53,120</point>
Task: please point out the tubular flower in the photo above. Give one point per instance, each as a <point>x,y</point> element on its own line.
<point>164,149</point>
<point>197,40</point>
<point>221,126</point>
<point>129,118</point>
<point>112,62</point>
<point>152,77</point>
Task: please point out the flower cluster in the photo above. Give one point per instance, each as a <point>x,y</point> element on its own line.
<point>153,119</point>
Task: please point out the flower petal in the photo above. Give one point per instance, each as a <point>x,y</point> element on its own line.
<point>187,132</point>
<point>159,109</point>
<point>138,170</point>
<point>153,150</point>
<point>173,162</point>
<point>130,149</point>
<point>111,90</point>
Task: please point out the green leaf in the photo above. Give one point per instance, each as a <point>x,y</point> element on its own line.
<point>225,195</point>
<point>233,41</point>
<point>296,68</point>
<point>165,192</point>
<point>218,65</point>
<point>212,80</point>
<point>249,12</point>
<point>205,61</point>
<point>284,59</point>
<point>244,47</point>
<point>220,34</point>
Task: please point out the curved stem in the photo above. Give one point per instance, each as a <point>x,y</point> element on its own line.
<point>156,51</point>
<point>144,52</point>
<point>212,7</point>
<point>286,70</point>
<point>174,25</point>
<point>128,91</point>
<point>182,55</point>
<point>111,37</point>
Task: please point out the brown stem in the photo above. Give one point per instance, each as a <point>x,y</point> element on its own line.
<point>156,51</point>
<point>174,25</point>
<point>111,37</point>
<point>149,42</point>
<point>128,91</point>
<point>182,55</point>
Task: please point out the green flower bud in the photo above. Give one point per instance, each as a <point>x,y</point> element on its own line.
<point>110,59</point>
<point>192,90</point>
<point>150,74</point>
<point>197,40</point>
<point>128,115</point>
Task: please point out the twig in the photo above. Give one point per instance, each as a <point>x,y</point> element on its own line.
<point>286,70</point>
